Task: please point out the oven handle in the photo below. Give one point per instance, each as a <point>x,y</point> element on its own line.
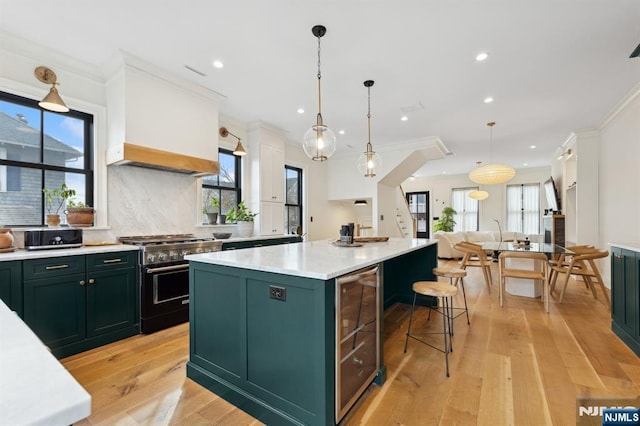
<point>167,268</point>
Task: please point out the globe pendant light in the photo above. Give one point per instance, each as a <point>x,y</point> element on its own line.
<point>479,195</point>
<point>319,141</point>
<point>492,174</point>
<point>369,161</point>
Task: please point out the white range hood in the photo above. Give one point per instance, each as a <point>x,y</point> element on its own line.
<point>160,121</point>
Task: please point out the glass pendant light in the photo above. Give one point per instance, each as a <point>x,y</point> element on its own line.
<point>494,173</point>
<point>369,161</point>
<point>319,141</point>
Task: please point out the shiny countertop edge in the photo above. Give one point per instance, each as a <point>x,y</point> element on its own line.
<point>313,259</point>
<point>627,246</point>
<point>35,388</point>
<point>21,254</point>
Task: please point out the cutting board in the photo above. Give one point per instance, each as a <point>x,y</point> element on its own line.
<point>369,239</point>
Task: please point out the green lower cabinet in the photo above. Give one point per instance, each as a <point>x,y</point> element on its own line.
<point>75,312</point>
<point>11,285</point>
<point>625,296</point>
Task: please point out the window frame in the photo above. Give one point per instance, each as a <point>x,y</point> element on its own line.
<point>237,188</point>
<point>522,211</point>
<point>87,169</point>
<point>465,196</point>
<point>299,205</point>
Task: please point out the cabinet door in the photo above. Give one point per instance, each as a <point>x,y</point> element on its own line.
<point>112,300</point>
<point>271,174</point>
<point>54,308</point>
<point>624,283</point>
<point>11,285</point>
<point>272,218</point>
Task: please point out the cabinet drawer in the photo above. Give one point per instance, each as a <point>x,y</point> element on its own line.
<point>52,267</point>
<point>114,260</point>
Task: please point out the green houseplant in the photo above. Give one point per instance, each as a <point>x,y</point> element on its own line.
<point>446,222</point>
<point>243,217</point>
<point>54,199</point>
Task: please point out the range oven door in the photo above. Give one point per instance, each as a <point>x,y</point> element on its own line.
<point>164,289</point>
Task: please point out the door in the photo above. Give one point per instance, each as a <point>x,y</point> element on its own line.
<point>111,300</point>
<point>419,207</point>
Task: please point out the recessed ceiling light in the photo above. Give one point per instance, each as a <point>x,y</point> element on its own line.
<point>532,147</point>
<point>412,177</point>
<point>404,118</point>
<point>341,132</point>
<point>482,56</point>
<point>444,173</point>
<point>488,100</point>
<point>218,64</point>
<point>300,110</point>
<point>525,164</point>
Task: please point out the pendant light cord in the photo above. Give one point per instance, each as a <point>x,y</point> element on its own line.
<point>319,91</point>
<point>369,146</point>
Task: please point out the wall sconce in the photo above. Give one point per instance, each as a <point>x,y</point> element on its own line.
<point>360,203</point>
<point>239,150</point>
<point>565,154</point>
<point>53,101</point>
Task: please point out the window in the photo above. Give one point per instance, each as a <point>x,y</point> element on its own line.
<point>466,209</point>
<point>523,208</point>
<point>293,200</point>
<point>221,192</point>
<point>41,149</point>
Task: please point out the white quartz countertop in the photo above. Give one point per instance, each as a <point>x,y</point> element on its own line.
<point>627,246</point>
<point>35,389</point>
<point>313,259</point>
<point>21,254</point>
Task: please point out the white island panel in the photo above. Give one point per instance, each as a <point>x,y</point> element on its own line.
<point>313,259</point>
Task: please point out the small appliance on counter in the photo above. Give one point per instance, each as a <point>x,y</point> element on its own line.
<point>52,238</point>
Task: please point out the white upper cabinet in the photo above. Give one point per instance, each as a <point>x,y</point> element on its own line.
<point>271,174</point>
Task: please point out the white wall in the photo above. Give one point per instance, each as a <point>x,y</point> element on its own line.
<point>494,207</point>
<point>619,176</point>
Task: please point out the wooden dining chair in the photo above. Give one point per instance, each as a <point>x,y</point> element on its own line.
<point>475,256</point>
<point>584,265</point>
<point>512,271</point>
<point>565,258</point>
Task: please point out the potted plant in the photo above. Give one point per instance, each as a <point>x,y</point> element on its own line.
<point>79,214</point>
<point>243,217</point>
<point>446,222</point>
<point>213,216</point>
<point>54,199</point>
<point>226,207</point>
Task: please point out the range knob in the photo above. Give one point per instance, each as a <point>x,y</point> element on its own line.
<point>162,257</point>
<point>173,255</point>
<point>151,257</point>
<point>186,252</point>
<point>199,250</point>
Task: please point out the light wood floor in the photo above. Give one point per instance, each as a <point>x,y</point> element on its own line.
<point>514,365</point>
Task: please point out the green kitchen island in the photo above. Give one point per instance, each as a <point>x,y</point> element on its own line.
<point>292,334</point>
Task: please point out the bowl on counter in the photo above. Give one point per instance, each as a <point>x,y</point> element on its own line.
<point>221,235</point>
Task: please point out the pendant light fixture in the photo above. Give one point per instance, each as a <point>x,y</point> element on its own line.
<point>479,195</point>
<point>319,141</point>
<point>53,101</point>
<point>369,161</point>
<point>492,173</point>
<point>239,149</point>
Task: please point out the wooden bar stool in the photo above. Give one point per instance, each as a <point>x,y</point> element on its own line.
<point>444,293</point>
<point>459,275</point>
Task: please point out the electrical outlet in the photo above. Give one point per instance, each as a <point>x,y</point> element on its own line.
<point>277,293</point>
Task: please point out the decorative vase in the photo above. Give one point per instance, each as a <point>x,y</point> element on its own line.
<point>213,218</point>
<point>80,216</point>
<point>53,220</point>
<point>245,229</point>
<point>6,238</point>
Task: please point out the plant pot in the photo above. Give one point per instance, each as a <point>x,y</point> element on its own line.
<point>53,220</point>
<point>6,238</point>
<point>213,218</point>
<point>245,229</point>
<point>222,219</point>
<point>80,216</point>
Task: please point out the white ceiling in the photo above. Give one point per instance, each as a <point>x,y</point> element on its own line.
<point>555,66</point>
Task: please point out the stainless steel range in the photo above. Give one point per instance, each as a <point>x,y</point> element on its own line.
<point>164,276</point>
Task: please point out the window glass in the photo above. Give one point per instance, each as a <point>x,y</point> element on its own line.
<point>293,200</point>
<point>523,208</point>
<point>466,209</point>
<point>221,193</point>
<point>41,149</point>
